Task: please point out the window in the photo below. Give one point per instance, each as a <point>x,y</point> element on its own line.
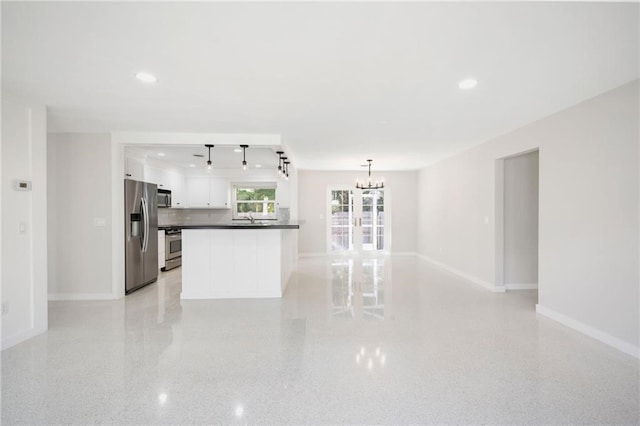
<point>255,199</point>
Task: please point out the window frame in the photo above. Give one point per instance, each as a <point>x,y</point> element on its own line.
<point>253,185</point>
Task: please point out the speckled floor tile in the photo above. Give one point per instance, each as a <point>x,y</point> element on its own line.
<point>354,341</point>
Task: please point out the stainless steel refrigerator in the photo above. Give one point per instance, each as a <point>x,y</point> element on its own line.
<point>141,234</point>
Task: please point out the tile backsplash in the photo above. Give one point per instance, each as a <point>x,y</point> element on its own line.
<point>192,216</point>
<point>202,216</point>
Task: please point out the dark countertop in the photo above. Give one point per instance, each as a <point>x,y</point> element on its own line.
<point>240,224</point>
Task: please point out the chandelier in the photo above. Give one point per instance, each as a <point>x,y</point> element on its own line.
<point>369,184</point>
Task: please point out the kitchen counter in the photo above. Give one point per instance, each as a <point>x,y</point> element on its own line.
<point>240,224</point>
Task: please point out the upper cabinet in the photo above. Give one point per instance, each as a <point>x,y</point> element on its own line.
<point>208,192</point>
<point>165,179</point>
<point>178,190</point>
<point>219,192</point>
<point>133,169</point>
<point>158,176</point>
<point>197,192</point>
<point>282,194</point>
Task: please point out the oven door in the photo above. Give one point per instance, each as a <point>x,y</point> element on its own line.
<point>173,246</point>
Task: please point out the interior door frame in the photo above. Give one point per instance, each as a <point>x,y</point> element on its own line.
<point>358,250</point>
<point>499,219</point>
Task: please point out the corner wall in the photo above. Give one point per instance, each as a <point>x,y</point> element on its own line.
<point>24,221</point>
<point>588,217</point>
<point>80,221</point>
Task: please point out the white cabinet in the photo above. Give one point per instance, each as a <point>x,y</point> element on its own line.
<point>165,179</point>
<point>198,191</point>
<point>178,190</point>
<point>282,194</point>
<point>161,252</point>
<point>208,192</point>
<point>133,169</point>
<point>219,191</point>
<point>158,176</point>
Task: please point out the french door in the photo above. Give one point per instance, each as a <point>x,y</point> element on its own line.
<point>356,220</point>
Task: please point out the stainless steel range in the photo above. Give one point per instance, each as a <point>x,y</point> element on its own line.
<point>173,249</point>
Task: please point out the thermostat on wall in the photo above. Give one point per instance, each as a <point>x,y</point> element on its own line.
<point>21,185</point>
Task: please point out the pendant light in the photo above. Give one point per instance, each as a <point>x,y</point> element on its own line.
<point>209,167</point>
<point>244,156</point>
<point>279,161</point>
<point>285,170</point>
<point>370,184</point>
<point>284,166</point>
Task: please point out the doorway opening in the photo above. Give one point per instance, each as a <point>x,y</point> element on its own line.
<point>517,188</point>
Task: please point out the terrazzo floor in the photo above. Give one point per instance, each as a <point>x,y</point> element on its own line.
<point>386,340</point>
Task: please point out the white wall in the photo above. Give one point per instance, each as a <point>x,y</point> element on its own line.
<point>400,196</point>
<point>80,219</point>
<point>521,220</point>
<point>588,219</point>
<point>24,221</point>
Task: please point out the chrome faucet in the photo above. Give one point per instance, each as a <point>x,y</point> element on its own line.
<point>250,218</point>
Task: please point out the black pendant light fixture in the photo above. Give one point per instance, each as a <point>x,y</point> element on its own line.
<point>209,166</point>
<point>279,161</point>
<point>369,184</point>
<point>244,156</point>
<point>285,169</point>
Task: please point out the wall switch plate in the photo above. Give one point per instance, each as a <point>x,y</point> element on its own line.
<point>99,221</point>
<point>5,308</point>
<point>22,228</point>
<point>21,185</point>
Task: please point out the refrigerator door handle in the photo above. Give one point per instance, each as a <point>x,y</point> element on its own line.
<point>145,215</point>
<point>140,229</point>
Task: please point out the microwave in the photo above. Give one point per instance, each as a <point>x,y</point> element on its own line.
<point>164,198</point>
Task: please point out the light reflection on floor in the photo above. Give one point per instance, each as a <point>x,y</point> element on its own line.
<point>358,287</point>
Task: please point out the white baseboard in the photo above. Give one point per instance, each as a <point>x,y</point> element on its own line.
<point>522,286</point>
<point>475,280</point>
<point>81,296</point>
<point>403,253</point>
<point>608,339</point>
<point>20,337</point>
<point>303,255</point>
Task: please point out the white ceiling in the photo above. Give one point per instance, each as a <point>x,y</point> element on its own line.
<point>341,82</point>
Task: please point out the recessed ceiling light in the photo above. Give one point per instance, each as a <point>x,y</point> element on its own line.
<point>146,77</point>
<point>192,165</point>
<point>258,166</point>
<point>161,154</point>
<point>468,83</point>
<point>237,150</point>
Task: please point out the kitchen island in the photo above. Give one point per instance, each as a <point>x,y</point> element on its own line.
<point>238,260</point>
